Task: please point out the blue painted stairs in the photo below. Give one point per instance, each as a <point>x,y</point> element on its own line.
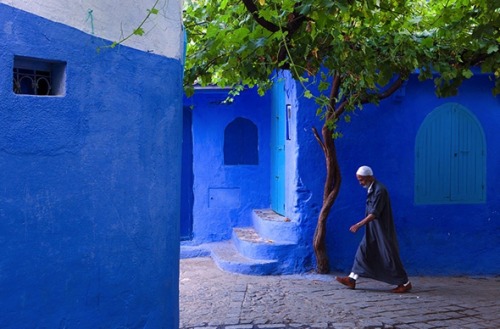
<point>269,247</point>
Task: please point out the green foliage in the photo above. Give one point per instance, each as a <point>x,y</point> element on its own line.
<point>366,44</point>
<point>467,34</point>
<point>139,30</point>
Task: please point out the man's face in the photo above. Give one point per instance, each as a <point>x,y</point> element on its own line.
<point>364,180</point>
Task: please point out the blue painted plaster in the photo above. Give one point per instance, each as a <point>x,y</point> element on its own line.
<point>225,195</point>
<point>90,184</point>
<point>434,239</point>
<point>460,239</point>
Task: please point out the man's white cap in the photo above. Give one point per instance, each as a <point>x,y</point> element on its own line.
<point>364,171</point>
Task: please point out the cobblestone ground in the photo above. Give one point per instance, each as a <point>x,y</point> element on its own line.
<point>213,299</point>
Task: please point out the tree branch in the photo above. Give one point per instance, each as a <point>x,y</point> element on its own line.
<point>391,90</point>
<point>295,20</point>
<point>334,92</point>
<point>369,98</point>
<point>318,138</point>
<point>252,8</point>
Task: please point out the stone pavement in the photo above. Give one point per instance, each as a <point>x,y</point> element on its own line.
<point>213,299</point>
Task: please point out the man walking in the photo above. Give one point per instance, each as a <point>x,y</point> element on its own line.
<point>378,253</point>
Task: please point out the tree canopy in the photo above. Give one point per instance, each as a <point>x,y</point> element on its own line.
<point>240,42</point>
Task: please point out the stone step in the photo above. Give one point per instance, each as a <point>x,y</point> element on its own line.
<point>229,259</point>
<point>188,251</point>
<point>272,226</point>
<point>250,244</point>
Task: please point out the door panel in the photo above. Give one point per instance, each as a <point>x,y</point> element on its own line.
<point>278,131</point>
<point>450,157</point>
<point>186,224</point>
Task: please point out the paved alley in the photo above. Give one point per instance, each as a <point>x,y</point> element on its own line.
<point>213,299</point>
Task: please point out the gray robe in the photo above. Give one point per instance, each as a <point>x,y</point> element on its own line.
<point>378,253</point>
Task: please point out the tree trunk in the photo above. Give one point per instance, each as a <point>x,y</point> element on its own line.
<point>319,243</point>
<point>330,193</point>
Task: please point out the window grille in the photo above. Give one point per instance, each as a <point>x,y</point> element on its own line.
<point>32,82</point>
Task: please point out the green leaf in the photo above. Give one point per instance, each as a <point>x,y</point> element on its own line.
<point>305,9</point>
<point>323,85</point>
<point>415,20</point>
<point>467,73</point>
<point>428,42</point>
<point>139,31</point>
<point>492,49</point>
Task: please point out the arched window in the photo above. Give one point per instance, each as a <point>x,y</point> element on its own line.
<point>450,158</point>
<point>241,143</point>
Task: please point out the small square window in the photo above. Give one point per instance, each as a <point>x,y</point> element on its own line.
<point>38,77</point>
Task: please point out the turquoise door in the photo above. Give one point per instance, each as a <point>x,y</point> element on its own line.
<point>450,158</point>
<point>278,131</point>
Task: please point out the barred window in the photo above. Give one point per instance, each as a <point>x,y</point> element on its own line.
<point>38,77</point>
<point>32,82</point>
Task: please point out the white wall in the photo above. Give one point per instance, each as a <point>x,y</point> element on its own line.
<point>114,19</point>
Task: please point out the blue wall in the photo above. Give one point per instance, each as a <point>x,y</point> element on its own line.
<point>90,184</point>
<point>453,239</point>
<point>434,239</point>
<point>225,195</point>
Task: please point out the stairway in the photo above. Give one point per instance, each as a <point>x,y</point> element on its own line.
<point>269,247</point>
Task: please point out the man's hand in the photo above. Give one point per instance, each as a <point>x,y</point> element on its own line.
<point>355,228</point>
<point>364,221</point>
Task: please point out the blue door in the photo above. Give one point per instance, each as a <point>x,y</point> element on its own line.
<point>186,225</point>
<point>278,131</point>
<point>450,157</point>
